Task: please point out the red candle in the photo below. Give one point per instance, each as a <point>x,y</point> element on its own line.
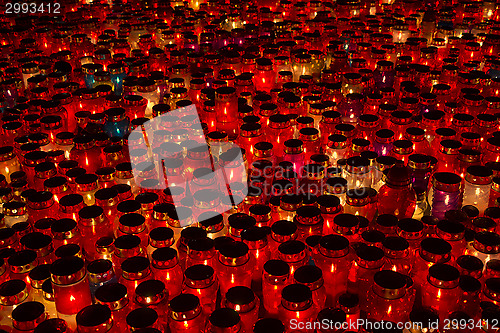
<point>234,266</point>
<point>70,285</point>
<point>297,304</point>
<point>335,259</point>
<point>27,316</point>
<point>134,271</point>
<point>201,281</point>
<point>312,276</point>
<point>185,314</point>
<point>441,292</point>
<point>95,318</point>
<point>294,253</point>
<point>245,303</point>
<point>390,298</point>
<point>93,224</point>
<point>115,297</point>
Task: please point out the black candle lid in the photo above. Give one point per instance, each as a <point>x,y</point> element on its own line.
<point>52,325</point>
<point>296,297</point>
<point>94,318</point>
<point>309,275</point>
<point>68,250</point>
<point>26,316</point>
<point>269,325</point>
<point>443,276</point>
<point>67,270</point>
<point>22,261</point>
<point>100,270</point>
<point>127,245</point>
<point>224,318</point>
<point>13,292</point>
<point>141,318</point>
<point>184,307</point>
<point>199,276</point>
<point>369,256</point>
<point>240,298</point>
<point>424,317</point>
<point>334,246</point>
<point>292,251</point>
<point>470,284</point>
<point>150,292</point>
<point>114,295</point>
<point>487,242</point>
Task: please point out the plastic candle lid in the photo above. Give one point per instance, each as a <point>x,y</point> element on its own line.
<point>409,228</point>
<point>395,247</point>
<point>94,318</point>
<point>135,268</point>
<point>164,258</point>
<point>199,276</point>
<point>329,204</point>
<point>369,256</point>
<point>478,175</point>
<point>161,237</point>
<point>487,242</point>
<point>100,270</point>
<point>372,236</point>
<point>22,261</point>
<point>470,284</point>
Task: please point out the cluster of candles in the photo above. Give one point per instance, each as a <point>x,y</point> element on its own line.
<point>368,185</point>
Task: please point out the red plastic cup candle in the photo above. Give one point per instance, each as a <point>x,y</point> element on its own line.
<point>142,318</point>
<point>224,320</point>
<point>275,278</point>
<point>246,303</point>
<point>441,291</point>
<point>134,271</point>
<point>201,281</point>
<point>185,314</point>
<point>234,266</point>
<point>70,285</point>
<point>297,304</point>
<point>27,316</point>
<point>96,318</point>
<point>115,297</point>
<point>390,298</point>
